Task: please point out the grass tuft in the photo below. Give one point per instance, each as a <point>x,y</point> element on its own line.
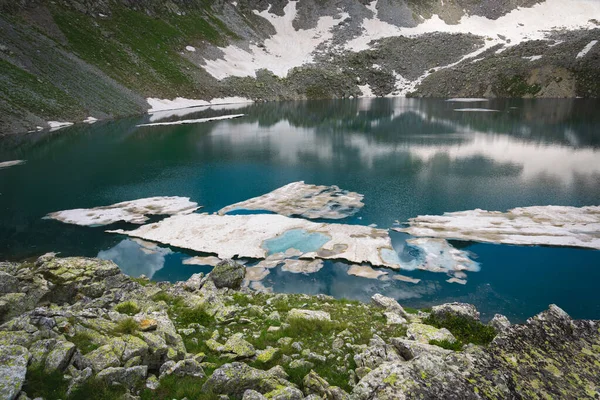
<point>464,329</point>
<point>448,345</point>
<point>128,307</point>
<point>128,326</point>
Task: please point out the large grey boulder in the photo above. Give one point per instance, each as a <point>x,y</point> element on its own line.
<point>235,378</point>
<point>228,274</point>
<point>309,315</point>
<point>101,358</point>
<point>239,347</point>
<point>377,353</point>
<point>500,323</point>
<point>389,305</point>
<point>425,333</point>
<point>13,369</point>
<point>187,367</point>
<point>60,356</point>
<point>127,377</point>
<point>465,310</point>
<point>314,384</point>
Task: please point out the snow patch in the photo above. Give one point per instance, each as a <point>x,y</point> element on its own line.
<point>180,102</point>
<point>287,49</point>
<point>190,48</point>
<point>56,125</point>
<point>532,58</point>
<point>192,121</point>
<point>366,91</point>
<point>586,49</point>
<point>90,120</point>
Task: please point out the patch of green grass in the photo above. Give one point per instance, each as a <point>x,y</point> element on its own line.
<point>84,343</point>
<point>94,389</point>
<point>198,315</point>
<point>446,344</point>
<point>142,281</point>
<point>127,326</point>
<point>299,327</point>
<point>128,307</point>
<point>516,86</point>
<point>410,310</point>
<point>173,387</point>
<point>50,386</point>
<point>464,329</point>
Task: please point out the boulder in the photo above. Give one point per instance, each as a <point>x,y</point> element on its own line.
<point>465,310</point>
<point>268,355</point>
<point>235,378</point>
<point>187,367</point>
<point>239,347</point>
<point>60,356</point>
<point>314,384</point>
<point>500,323</point>
<point>253,395</point>
<point>13,369</point>
<point>194,283</point>
<point>308,315</point>
<point>228,274</point>
<point>285,393</point>
<point>8,283</point>
<point>389,304</point>
<point>425,333</point>
<point>101,358</point>
<point>409,349</point>
<point>377,353</point>
<point>128,377</point>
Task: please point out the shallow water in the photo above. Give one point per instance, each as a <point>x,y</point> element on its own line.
<point>408,157</point>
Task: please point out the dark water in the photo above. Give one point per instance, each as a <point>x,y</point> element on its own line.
<point>409,157</point>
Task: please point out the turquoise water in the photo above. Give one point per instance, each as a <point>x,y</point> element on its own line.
<point>297,239</point>
<point>408,157</point>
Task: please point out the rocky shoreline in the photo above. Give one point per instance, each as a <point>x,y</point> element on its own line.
<point>78,328</point>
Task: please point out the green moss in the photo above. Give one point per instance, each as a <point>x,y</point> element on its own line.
<point>464,329</point>
<point>391,379</point>
<point>516,86</point>
<point>198,315</point>
<point>128,307</point>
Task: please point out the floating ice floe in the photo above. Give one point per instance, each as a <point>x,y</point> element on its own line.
<point>308,201</point>
<point>404,278</point>
<point>210,260</point>
<point>257,236</point>
<point>538,225</point>
<point>256,273</point>
<point>12,163</point>
<point>298,266</point>
<point>364,271</point>
<point>134,211</point>
<point>192,121</point>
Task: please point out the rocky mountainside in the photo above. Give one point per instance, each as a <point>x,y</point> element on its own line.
<point>69,60</point>
<point>77,328</point>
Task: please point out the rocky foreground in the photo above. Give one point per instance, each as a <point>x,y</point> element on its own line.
<point>78,328</point>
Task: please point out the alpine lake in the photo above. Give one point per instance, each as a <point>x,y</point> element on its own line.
<point>408,157</point>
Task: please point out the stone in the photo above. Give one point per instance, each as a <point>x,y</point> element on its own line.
<point>393,318</point>
<point>102,358</point>
<point>464,310</point>
<point>377,353</point>
<point>253,395</point>
<point>229,274</point>
<point>60,356</point>
<point>285,393</point>
<point>409,349</point>
<point>235,378</point>
<point>296,364</point>
<point>134,347</point>
<point>500,323</point>
<point>268,355</point>
<point>8,283</point>
<point>187,367</point>
<point>13,368</point>
<point>388,304</point>
<point>308,315</point>
<point>425,333</point>
<point>128,377</point>
<point>152,382</point>
<point>194,283</point>
<point>148,325</point>
<point>314,384</point>
<point>238,346</point>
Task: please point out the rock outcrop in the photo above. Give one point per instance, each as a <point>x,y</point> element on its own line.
<point>83,326</point>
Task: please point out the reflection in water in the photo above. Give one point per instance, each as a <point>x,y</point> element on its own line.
<point>408,157</point>
<point>136,258</point>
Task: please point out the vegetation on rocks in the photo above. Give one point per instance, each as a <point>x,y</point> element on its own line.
<point>85,330</point>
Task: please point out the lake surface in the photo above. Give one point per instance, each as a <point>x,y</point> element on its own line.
<point>408,157</point>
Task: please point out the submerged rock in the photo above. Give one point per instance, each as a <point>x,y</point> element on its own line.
<point>229,274</point>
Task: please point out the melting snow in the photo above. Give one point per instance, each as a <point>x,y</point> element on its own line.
<point>587,48</point>
<point>533,58</point>
<point>55,125</point>
<point>537,225</point>
<point>134,211</point>
<point>180,102</point>
<point>192,121</point>
<point>364,271</point>
<point>90,120</point>
<point>308,201</point>
<point>7,164</point>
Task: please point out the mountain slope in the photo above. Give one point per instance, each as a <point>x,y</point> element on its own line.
<point>70,59</point>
